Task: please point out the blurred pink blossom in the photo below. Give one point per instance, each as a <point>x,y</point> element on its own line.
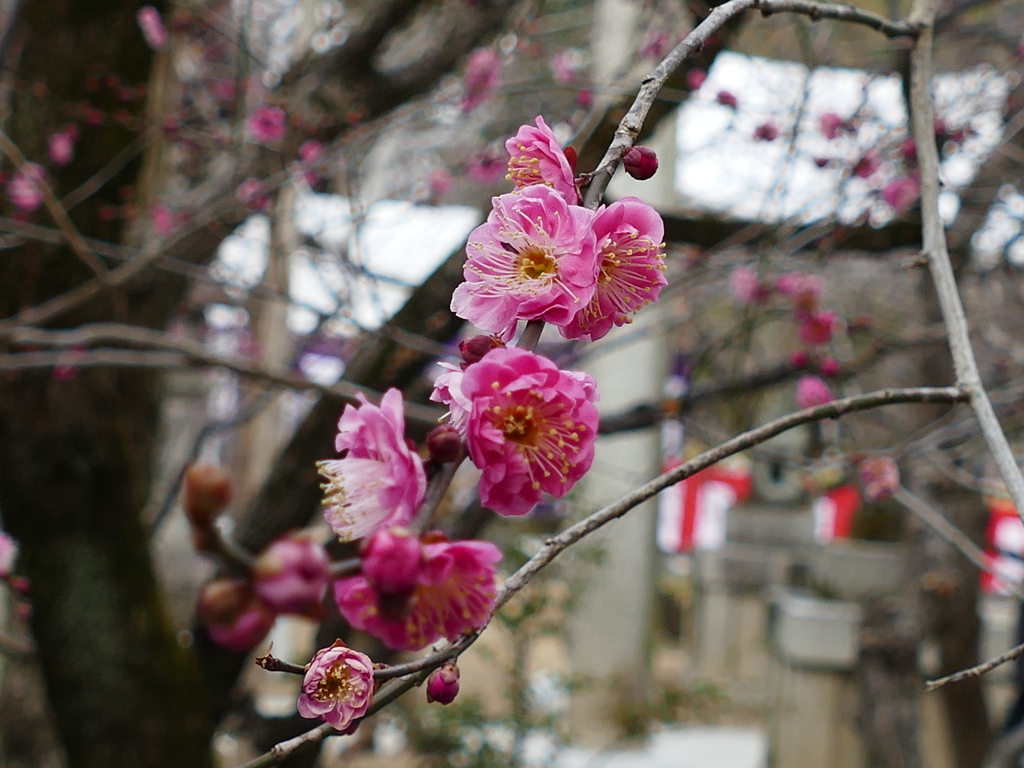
<point>746,287</point>
<point>803,289</point>
<point>337,686</point>
<point>310,151</point>
<point>531,428</point>
<point>152,27</point>
<point>482,78</point>
<point>880,477</point>
<point>234,617</point>
<point>250,194</point>
<point>829,367</point>
<point>812,391</point>
<point>536,157</point>
<point>534,258</point>
<point>868,164</point>
<point>901,193</point>
<point>8,554</point>
<point>486,166</point>
<point>695,78</point>
<point>566,66</point>
<point>267,124</point>
<point>631,266</point>
<point>23,188</point>
<point>392,561</point>
<point>831,125</point>
<point>454,595</point>
<point>816,327</point>
<point>61,146</point>
<point>766,132</point>
<point>441,182</point>
<point>380,481</point>
<point>727,99</point>
<point>163,219</point>
<point>291,575</point>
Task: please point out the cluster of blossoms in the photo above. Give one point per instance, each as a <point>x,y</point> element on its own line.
<point>815,326</point>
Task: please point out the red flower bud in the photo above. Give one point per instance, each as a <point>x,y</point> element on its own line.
<point>207,493</point>
<point>640,162</point>
<point>444,443</point>
<point>443,684</point>
<point>475,347</point>
<point>829,367</point>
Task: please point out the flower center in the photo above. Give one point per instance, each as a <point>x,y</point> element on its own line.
<point>518,424</point>
<point>336,684</point>
<point>535,263</point>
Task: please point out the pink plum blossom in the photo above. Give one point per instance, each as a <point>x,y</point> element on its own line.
<point>695,78</point>
<point>163,219</point>
<point>727,99</point>
<point>266,124</point>
<point>443,684</point>
<point>291,575</point>
<point>486,166</point>
<point>631,268</point>
<point>816,327</point>
<point>531,428</point>
<point>441,182</point>
<point>250,193</point>
<point>812,391</point>
<point>234,617</point>
<point>901,193</point>
<point>152,27</point>
<point>880,477</point>
<point>392,561</point>
<point>380,481</point>
<point>61,146</point>
<point>566,66</point>
<point>829,367</point>
<point>535,258</point>
<point>746,287</point>
<point>831,125</point>
<point>868,165</point>
<point>803,289</point>
<point>448,390</point>
<point>766,132</point>
<point>337,686</point>
<point>454,594</point>
<point>310,151</point>
<point>800,359</point>
<point>909,149</point>
<point>536,157</point>
<point>23,188</point>
<point>8,554</point>
<point>482,78</point>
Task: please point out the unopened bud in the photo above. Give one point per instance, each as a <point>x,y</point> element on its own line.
<point>444,443</point>
<point>20,584</point>
<point>829,367</point>
<point>799,359</point>
<point>222,601</point>
<point>207,493</point>
<point>475,347</point>
<point>291,575</point>
<point>443,684</point>
<point>234,617</point>
<point>640,162</point>
<point>392,561</point>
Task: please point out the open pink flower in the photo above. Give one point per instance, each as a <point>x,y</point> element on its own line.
<point>266,124</point>
<point>8,554</point>
<point>482,78</point>
<point>152,27</point>
<point>901,193</point>
<point>812,391</point>
<point>533,259</point>
<point>631,268</point>
<point>23,188</point>
<point>536,157</point>
<point>291,575</point>
<point>337,687</point>
<point>380,481</point>
<point>454,594</point>
<point>816,327</point>
<point>448,390</point>
<point>531,429</point>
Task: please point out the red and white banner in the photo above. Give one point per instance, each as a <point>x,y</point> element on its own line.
<point>693,514</point>
<point>1005,546</point>
<point>834,512</point>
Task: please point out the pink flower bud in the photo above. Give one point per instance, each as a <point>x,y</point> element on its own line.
<point>250,193</point>
<point>816,327</point>
<point>445,443</point>
<point>766,132</point>
<point>695,79</point>
<point>640,162</point>
<point>812,391</point>
<point>291,575</point>
<point>392,561</point>
<point>311,151</point>
<point>727,99</point>
<point>267,124</point>
<point>902,192</point>
<point>20,584</point>
<point>799,359</point>
<point>829,367</point>
<point>880,477</point>
<point>443,684</point>
<point>234,617</point>
<point>868,165</point>
<point>831,125</point>
<point>207,493</point>
<point>152,27</point>
<point>474,348</point>
<point>61,148</point>
<point>163,220</point>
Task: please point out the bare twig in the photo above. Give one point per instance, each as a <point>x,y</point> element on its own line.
<point>976,671</point>
<point>839,12</point>
<point>273,664</point>
<point>934,241</point>
<point>957,538</point>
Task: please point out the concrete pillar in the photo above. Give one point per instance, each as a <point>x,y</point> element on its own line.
<point>609,631</point>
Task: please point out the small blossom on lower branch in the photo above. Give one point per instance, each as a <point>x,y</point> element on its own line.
<point>455,593</point>
<point>337,687</point>
<point>531,429</point>
<point>380,481</point>
<point>631,268</point>
<point>443,684</point>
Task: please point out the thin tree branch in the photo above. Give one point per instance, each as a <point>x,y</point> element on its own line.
<point>934,240</point>
<point>976,671</point>
<point>839,12</point>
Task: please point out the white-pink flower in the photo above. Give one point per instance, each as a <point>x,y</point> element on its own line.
<point>266,124</point>
<point>531,429</point>
<point>448,391</point>
<point>337,686</point>
<point>535,258</point>
<point>812,391</point>
<point>152,27</point>
<point>631,269</point>
<point>536,157</point>
<point>24,190</point>
<point>482,78</point>
<point>380,480</point>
